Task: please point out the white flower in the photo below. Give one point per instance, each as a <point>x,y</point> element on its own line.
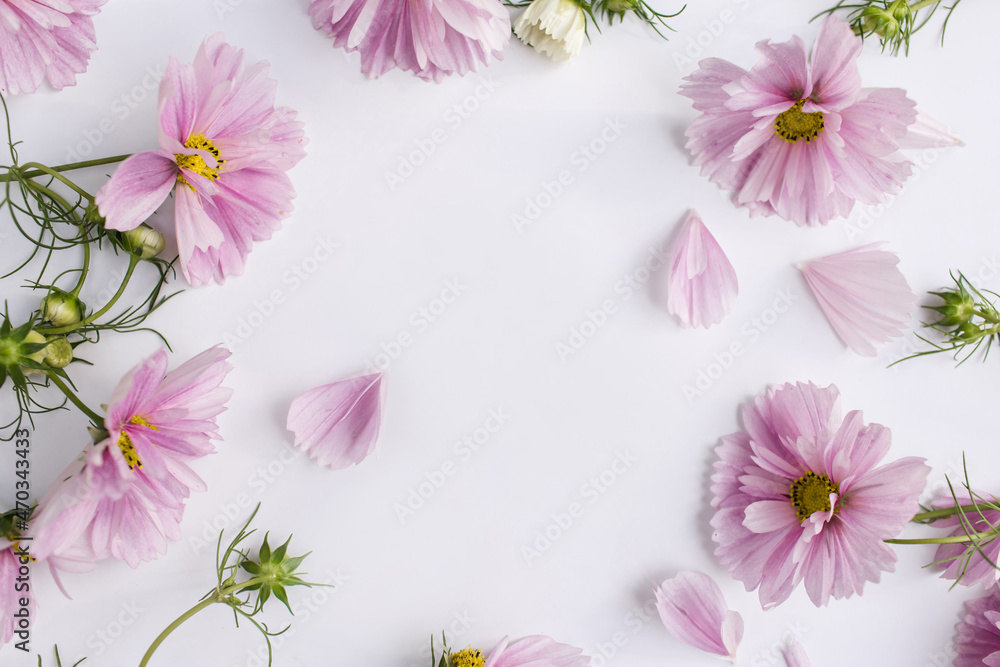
<point>553,27</point>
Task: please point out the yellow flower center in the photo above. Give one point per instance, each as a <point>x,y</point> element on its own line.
<point>128,449</point>
<point>794,124</point>
<point>196,163</point>
<point>811,493</point>
<point>468,658</point>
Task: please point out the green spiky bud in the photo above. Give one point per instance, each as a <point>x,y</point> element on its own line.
<point>62,308</point>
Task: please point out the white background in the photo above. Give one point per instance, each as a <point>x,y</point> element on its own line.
<point>495,348</point>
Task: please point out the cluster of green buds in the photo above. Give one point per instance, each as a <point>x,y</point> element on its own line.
<point>966,319</point>
<point>25,351</point>
<point>893,22</point>
<point>611,9</point>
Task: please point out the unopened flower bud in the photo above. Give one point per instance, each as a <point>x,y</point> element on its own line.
<point>34,337</point>
<point>62,308</point>
<point>957,309</point>
<point>145,240</point>
<point>969,331</point>
<point>619,6</point>
<point>58,353</point>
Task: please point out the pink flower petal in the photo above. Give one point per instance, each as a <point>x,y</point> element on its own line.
<point>794,654</point>
<point>136,189</point>
<point>702,283</point>
<point>929,132</point>
<point>836,79</point>
<point>693,610</point>
<point>863,295</point>
<point>535,651</point>
<point>338,424</point>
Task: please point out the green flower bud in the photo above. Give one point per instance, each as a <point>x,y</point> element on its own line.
<point>33,337</point>
<point>58,353</point>
<point>957,309</point>
<point>62,308</point>
<point>277,571</point>
<point>968,332</point>
<point>146,240</point>
<point>619,6</point>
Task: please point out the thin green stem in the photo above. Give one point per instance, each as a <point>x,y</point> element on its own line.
<point>86,265</point>
<point>42,169</point>
<point>951,511</point>
<point>133,261</point>
<point>63,167</point>
<point>218,595</point>
<point>923,3</point>
<point>953,539</point>
<point>97,419</point>
<point>54,196</point>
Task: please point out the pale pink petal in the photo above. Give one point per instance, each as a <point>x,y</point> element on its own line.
<point>338,424</point>
<point>703,285</point>
<point>795,654</point>
<point>431,38</point>
<point>929,132</point>
<point>836,79</point>
<point>136,189</point>
<point>863,295</point>
<point>535,651</point>
<point>693,610</point>
<point>977,639</point>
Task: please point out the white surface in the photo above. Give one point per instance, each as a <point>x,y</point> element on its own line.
<point>494,348</point>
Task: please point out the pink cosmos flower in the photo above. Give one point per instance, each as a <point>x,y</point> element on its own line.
<point>798,497</point>
<point>702,284</point>
<point>796,135</point>
<point>13,588</point>
<point>535,651</point>
<point>124,497</point>
<point>951,559</point>
<point>693,610</point>
<point>338,424</point>
<point>977,641</point>
<point>431,38</point>
<point>45,39</point>
<point>863,294</point>
<point>224,150</point>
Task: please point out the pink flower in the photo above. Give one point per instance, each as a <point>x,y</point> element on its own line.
<point>797,497</point>
<point>955,560</point>
<point>50,39</point>
<point>863,295</point>
<point>977,642</point>
<point>693,610</point>
<point>227,148</point>
<point>125,496</point>
<point>338,424</point>
<point>797,136</point>
<point>15,586</point>
<point>703,285</point>
<point>535,651</point>
<point>431,38</point>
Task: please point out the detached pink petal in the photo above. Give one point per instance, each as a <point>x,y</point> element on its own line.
<point>693,610</point>
<point>338,424</point>
<point>535,651</point>
<point>703,286</point>
<point>863,295</point>
<point>795,655</point>
<point>929,132</point>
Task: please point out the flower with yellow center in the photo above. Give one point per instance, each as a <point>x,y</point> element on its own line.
<point>128,449</point>
<point>196,163</point>
<point>811,493</point>
<point>468,658</point>
<point>796,124</point>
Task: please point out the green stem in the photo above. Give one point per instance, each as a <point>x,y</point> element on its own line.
<point>953,539</point>
<point>218,595</point>
<point>97,419</point>
<point>86,264</point>
<point>41,169</point>
<point>951,511</point>
<point>923,3</point>
<point>133,261</point>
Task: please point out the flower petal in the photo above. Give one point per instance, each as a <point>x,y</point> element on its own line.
<point>693,610</point>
